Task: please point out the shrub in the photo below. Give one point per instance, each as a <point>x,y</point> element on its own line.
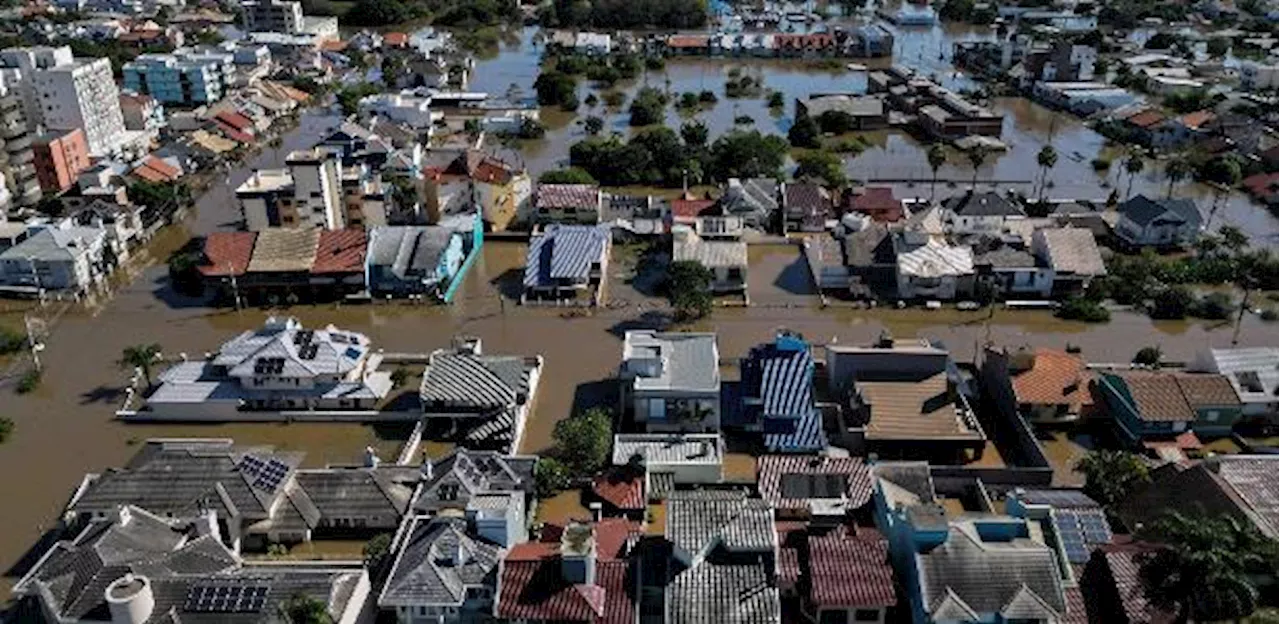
<point>11,341</point>
<point>1100,164</point>
<point>6,429</point>
<point>1214,306</point>
<point>29,381</point>
<point>646,108</point>
<point>550,477</point>
<point>1082,309</point>
<point>399,376</point>
<point>1148,356</point>
<point>804,133</point>
<point>688,284</point>
<point>1173,303</point>
<point>707,97</point>
<point>571,175</point>
<point>614,99</point>
<point>582,441</point>
<point>776,100</point>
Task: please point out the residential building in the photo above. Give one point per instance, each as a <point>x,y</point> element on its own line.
<point>224,260</point>
<point>280,264</point>
<point>1114,582</point>
<point>877,203</point>
<point>123,224</point>
<point>1258,76</point>
<point>724,552</point>
<point>934,270</point>
<point>490,489</point>
<point>1146,222</point>
<point>62,257</point>
<point>256,495</point>
<point>827,491</point>
<point>184,77</point>
<point>585,577</point>
<point>1148,407</point>
<point>1041,386</point>
<point>1078,523</point>
<point>671,460</point>
<point>404,108</point>
<point>1012,273</point>
<point>1071,254</point>
<point>441,573</point>
<point>777,396</point>
<point>848,111</point>
<point>726,259</point>
<point>671,381</point>
<point>409,260</point>
<point>60,156</point>
<point>480,401</point>
<point>134,565</point>
<point>841,576</point>
<point>866,258</point>
<point>944,114</point>
<point>567,263</point>
<point>273,16</point>
<point>21,185</point>
<point>314,191</point>
<point>61,92</point>
<point>1252,371</point>
<point>358,145</point>
<point>980,213</point>
<point>500,191</point>
<point>567,204</point>
<point>341,265</point>
<point>903,399</point>
<point>280,367</point>
<point>805,207</point>
<point>1240,486</point>
<point>756,200</point>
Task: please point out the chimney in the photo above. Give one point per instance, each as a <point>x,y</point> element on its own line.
<point>578,554</point>
<point>130,600</point>
<point>597,510</point>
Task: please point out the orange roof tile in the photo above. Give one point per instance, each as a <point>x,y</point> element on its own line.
<point>396,39</point>
<point>621,489</point>
<point>227,253</point>
<point>340,251</point>
<point>149,174</point>
<point>1197,119</point>
<point>1146,118</point>
<point>689,208</point>
<point>1055,378</point>
<point>333,45</point>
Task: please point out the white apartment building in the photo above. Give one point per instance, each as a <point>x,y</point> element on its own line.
<point>313,191</point>
<point>61,92</point>
<point>272,16</point>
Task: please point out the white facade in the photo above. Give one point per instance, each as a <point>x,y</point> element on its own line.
<point>307,194</point>
<point>1254,75</point>
<point>63,93</point>
<point>403,108</point>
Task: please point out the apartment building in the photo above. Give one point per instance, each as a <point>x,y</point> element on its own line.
<point>60,156</point>
<point>61,92</point>
<point>21,186</point>
<point>312,191</point>
<point>183,77</point>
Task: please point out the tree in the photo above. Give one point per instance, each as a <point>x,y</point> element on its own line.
<point>1178,169</point>
<point>1173,303</point>
<point>688,285</point>
<point>304,609</point>
<point>378,13</point>
<point>646,107</point>
<point>593,125</point>
<point>937,156</point>
<point>1206,567</point>
<point>1218,46</point>
<point>822,165</point>
<point>1225,171</point>
<point>6,429</point>
<point>1233,238</point>
<point>1133,165</point>
<point>555,88</point>
<point>571,175</point>
<point>583,440</point>
<point>375,550</point>
<point>805,133</point>
<point>1148,356</point>
<point>1047,159</point>
<point>747,154</point>
<point>977,155</point>
<point>349,97</point>
<point>776,100</point>
<point>1110,476</point>
<point>550,477</point>
<point>1215,306</point>
<point>1083,309</point>
<point>140,356</point>
<point>694,133</point>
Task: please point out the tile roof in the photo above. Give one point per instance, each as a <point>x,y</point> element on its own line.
<point>983,205</point>
<point>535,589</point>
<point>687,209</point>
<point>479,166</point>
<point>395,39</point>
<point>791,481</point>
<point>904,410</point>
<point>1121,572</point>
<point>688,246</point>
<point>1018,578</point>
<point>564,252</point>
<point>688,41</point>
<point>1144,210</point>
<point>1197,119</point>
<point>1147,118</point>
<point>1263,185</point>
<point>341,251</point>
<point>227,253</point>
<point>621,487</point>
<point>879,203</point>
<point>234,119</point>
<point>1055,378</point>
<point>1243,486</point>
<point>284,250</point>
<point>438,563</point>
<point>478,472</point>
<point>807,198</point>
<point>699,520</point>
<point>1254,371</point>
<point>936,259</point>
<point>1207,389</point>
<point>852,572</point>
<point>1005,257</point>
<point>335,351</point>
<point>1072,250</point>
<point>568,196</point>
<point>752,195</point>
<point>1161,396</point>
<point>352,492</point>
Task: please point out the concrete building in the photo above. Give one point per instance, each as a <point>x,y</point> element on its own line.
<point>671,381</point>
<point>141,112</point>
<point>273,16</point>
<point>21,186</point>
<point>313,191</point>
<point>55,259</point>
<point>184,77</point>
<point>61,92</point>
<point>59,159</point>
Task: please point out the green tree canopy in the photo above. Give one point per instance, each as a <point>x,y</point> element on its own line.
<point>647,106</point>
<point>570,175</point>
<point>1110,476</point>
<point>747,154</point>
<point>141,356</point>
<point>805,133</point>
<point>688,286</point>
<point>583,441</point>
<point>823,166</point>
<point>305,609</point>
<point>550,477</point>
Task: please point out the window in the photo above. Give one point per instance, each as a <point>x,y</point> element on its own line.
<point>866,615</point>
<point>1211,415</point>
<point>832,617</point>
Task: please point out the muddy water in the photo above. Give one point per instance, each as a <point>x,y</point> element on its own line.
<point>65,429</point>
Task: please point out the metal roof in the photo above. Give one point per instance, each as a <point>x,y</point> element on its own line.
<point>564,252</point>
<point>661,449</point>
<point>686,361</point>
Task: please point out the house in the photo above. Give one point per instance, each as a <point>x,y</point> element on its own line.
<point>481,401</point>
<point>979,213</point>
<point>671,381</point>
<point>584,578</point>
<point>1012,273</point>
<point>724,554</point>
<point>903,399</point>
<point>281,367</point>
<point>63,257</point>
<point>134,565</point>
<point>777,396</point>
<point>1150,406</point>
<point>1146,222</point>
<point>671,460</point>
<point>500,191</point>
<point>1078,522</point>
<point>593,44</point>
<point>567,263</point>
<point>635,216</point>
<point>567,204</point>
<point>225,258</point>
<point>934,270</point>
<point>847,112</point>
<point>1253,374</point>
<point>280,267</point>
<point>1240,486</point>
<point>688,45</point>
<point>621,491</point>
<point>441,572</point>
<point>490,489</point>
<point>870,259</point>
<point>805,207</point>
<point>1041,386</point>
<point>413,260</point>
<point>878,203</point>
<point>727,259</point>
<point>1071,255</point>
<point>756,200</point>
<point>840,575</point>
<point>1117,591</point>
<point>340,264</point>
<point>967,567</point>
<point>816,489</point>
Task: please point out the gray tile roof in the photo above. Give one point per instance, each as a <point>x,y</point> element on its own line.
<point>409,250</point>
<point>738,592</point>
<point>1018,578</point>
<point>564,252</point>
<point>870,246</point>
<point>438,563</point>
<point>1143,210</point>
<point>699,521</point>
<point>688,361</point>
<point>709,253</point>
<point>730,542</point>
<point>568,196</point>
<point>983,205</point>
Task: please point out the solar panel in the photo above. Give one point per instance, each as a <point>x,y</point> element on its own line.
<point>226,598</point>
<point>270,476</point>
<point>1078,530</point>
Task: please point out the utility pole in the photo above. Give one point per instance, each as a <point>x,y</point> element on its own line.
<point>33,342</point>
<point>235,286</point>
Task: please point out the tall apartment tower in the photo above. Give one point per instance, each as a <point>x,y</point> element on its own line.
<point>308,193</point>
<point>21,185</point>
<point>61,92</point>
<point>282,16</point>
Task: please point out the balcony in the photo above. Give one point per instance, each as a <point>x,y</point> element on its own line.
<point>23,157</point>
<point>14,130</point>
<point>18,144</point>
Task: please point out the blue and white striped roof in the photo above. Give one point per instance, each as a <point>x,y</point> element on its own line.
<point>807,435</point>
<point>786,384</point>
<point>564,252</point>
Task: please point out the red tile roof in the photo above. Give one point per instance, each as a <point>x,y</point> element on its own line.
<point>846,571</point>
<point>1124,567</point>
<point>1055,378</point>
<point>688,41</point>
<point>1197,119</point>
<point>479,166</point>
<point>622,488</point>
<point>163,167</point>
<point>148,174</point>
<point>536,590</point>
<point>341,251</point>
<point>774,469</point>
<point>688,209</point>
<point>878,203</point>
<point>234,119</point>
<point>227,253</point>
<point>395,39</point>
<point>333,45</point>
<point>613,535</point>
<point>1146,118</point>
<point>232,133</point>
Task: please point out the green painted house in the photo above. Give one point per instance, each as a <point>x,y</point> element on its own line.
<point>1152,405</point>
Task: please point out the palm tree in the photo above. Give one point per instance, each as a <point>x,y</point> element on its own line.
<point>1176,171</point>
<point>1203,569</point>
<point>140,356</point>
<point>977,155</point>
<point>1133,165</point>
<point>937,155</point>
<point>1230,178</point>
<point>1047,158</point>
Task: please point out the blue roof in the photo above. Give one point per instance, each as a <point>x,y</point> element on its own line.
<point>780,374</point>
<point>802,435</point>
<point>563,252</point>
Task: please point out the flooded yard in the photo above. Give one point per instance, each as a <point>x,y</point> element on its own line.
<point>777,275</point>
